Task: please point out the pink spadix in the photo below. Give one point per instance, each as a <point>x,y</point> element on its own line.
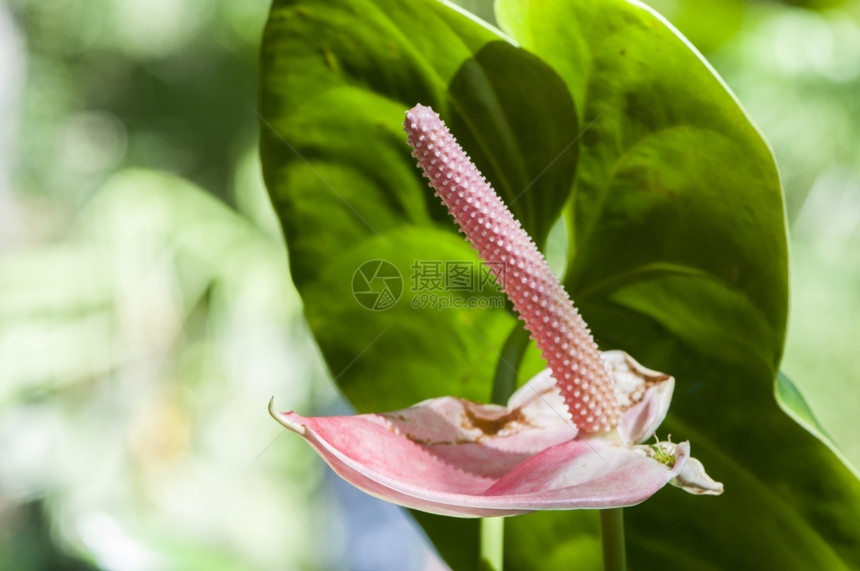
<point>520,269</point>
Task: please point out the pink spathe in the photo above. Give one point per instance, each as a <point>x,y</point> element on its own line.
<point>454,457</point>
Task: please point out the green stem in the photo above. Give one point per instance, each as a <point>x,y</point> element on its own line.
<point>612,536</point>
<point>492,543</point>
<point>507,369</point>
<point>504,383</point>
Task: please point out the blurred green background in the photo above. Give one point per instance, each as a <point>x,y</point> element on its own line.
<point>147,314</point>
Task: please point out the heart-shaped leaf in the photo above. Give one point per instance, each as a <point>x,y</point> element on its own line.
<point>338,77</point>
<point>679,257</point>
<point>677,247</point>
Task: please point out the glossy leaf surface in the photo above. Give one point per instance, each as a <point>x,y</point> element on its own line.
<point>673,166</point>
<point>677,250</point>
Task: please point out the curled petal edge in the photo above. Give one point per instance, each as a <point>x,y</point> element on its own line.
<point>694,480</point>
<point>644,396</point>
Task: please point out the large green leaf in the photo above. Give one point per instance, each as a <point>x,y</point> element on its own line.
<point>677,247</point>
<point>679,256</point>
<point>338,77</point>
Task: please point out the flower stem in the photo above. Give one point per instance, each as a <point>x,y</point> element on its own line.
<point>612,536</point>
<point>492,543</point>
<point>504,382</point>
<point>507,369</point>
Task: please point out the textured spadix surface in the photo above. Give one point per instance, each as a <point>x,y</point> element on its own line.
<point>520,269</point>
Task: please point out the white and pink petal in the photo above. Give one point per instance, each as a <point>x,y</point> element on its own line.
<point>438,459</point>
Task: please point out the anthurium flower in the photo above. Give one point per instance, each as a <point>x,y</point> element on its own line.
<point>572,437</point>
